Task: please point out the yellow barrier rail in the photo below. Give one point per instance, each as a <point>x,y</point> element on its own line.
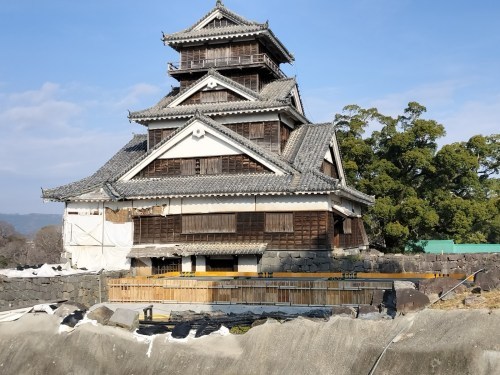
<point>316,275</point>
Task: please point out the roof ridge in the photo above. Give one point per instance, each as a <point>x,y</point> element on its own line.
<point>163,103</point>
<point>300,141</point>
<point>219,6</point>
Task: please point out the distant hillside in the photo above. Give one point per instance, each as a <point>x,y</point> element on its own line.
<point>31,223</point>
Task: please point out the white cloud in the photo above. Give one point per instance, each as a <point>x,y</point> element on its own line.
<point>472,118</point>
<point>47,92</point>
<point>37,110</point>
<point>437,95</point>
<point>461,119</point>
<point>57,134</point>
<point>135,94</point>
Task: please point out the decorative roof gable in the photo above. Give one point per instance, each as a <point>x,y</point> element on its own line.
<point>274,96</point>
<point>238,27</point>
<point>214,80</point>
<point>292,174</point>
<point>219,12</point>
<point>203,137</point>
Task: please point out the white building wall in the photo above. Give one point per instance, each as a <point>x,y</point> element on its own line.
<point>187,265</point>
<point>201,263</point>
<point>96,243</point>
<point>292,203</point>
<point>218,204</point>
<point>93,242</point>
<point>204,146</point>
<point>247,263</point>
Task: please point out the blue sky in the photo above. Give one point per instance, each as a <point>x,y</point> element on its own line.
<point>70,70</point>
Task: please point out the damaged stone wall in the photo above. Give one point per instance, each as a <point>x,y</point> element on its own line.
<point>325,261</point>
<point>20,292</point>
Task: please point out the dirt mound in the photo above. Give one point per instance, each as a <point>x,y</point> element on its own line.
<point>431,342</point>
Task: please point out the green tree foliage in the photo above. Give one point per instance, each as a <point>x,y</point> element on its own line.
<point>423,192</point>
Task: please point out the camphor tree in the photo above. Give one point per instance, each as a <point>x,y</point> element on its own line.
<point>422,192</point>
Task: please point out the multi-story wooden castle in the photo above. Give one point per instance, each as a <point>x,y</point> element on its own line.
<point>230,176</point>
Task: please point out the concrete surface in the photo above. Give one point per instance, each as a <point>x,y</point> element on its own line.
<point>429,342</point>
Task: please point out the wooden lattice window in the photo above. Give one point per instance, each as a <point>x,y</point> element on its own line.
<point>279,222</point>
<point>210,223</point>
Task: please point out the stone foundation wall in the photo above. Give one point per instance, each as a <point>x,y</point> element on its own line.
<point>20,292</point>
<point>325,261</point>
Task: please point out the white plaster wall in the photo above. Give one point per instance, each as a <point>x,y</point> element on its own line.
<point>328,156</point>
<point>336,200</point>
<point>351,205</point>
<point>204,146</point>
<point>93,242</point>
<point>186,264</point>
<point>117,205</point>
<point>84,208</point>
<point>292,203</point>
<point>190,205</point>
<point>167,124</point>
<point>247,263</point>
<point>201,263</point>
<point>218,204</point>
<point>175,206</point>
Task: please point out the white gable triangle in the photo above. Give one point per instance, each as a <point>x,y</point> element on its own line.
<point>198,144</point>
<point>199,140</point>
<point>209,83</point>
<point>296,98</point>
<point>334,147</point>
<point>216,14</point>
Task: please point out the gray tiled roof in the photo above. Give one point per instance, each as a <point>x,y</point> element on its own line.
<point>201,248</point>
<point>205,185</point>
<point>225,12</point>
<point>120,161</point>
<point>301,162</point>
<point>216,31</point>
<point>244,27</point>
<point>221,248</point>
<point>314,146</point>
<point>278,89</point>
<point>273,96</point>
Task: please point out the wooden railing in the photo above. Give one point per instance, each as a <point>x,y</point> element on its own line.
<point>260,58</point>
<point>262,292</point>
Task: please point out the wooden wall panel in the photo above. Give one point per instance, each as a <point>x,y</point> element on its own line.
<point>329,169</point>
<point>250,81</point>
<point>212,96</point>
<point>310,231</point>
<point>227,164</point>
<point>157,135</point>
<point>216,22</point>
<point>270,139</point>
<point>284,135</point>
